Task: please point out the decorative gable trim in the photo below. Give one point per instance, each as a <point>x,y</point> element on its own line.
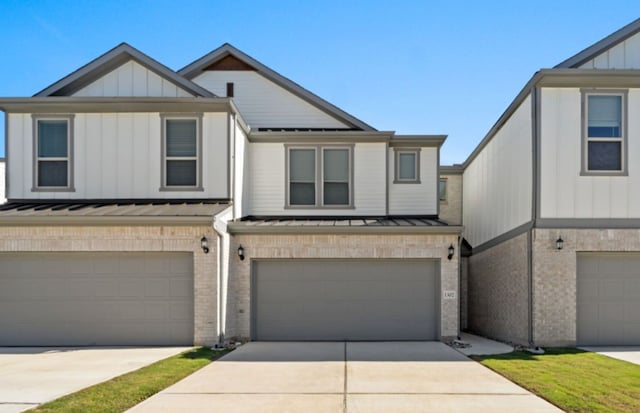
<point>204,63</point>
<point>601,46</point>
<point>110,61</point>
<point>229,62</point>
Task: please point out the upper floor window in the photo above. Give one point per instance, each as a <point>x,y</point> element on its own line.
<point>442,190</point>
<point>407,163</point>
<point>181,152</point>
<point>604,130</point>
<point>53,148</point>
<point>319,176</point>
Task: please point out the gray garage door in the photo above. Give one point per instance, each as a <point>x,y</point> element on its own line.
<point>96,299</point>
<point>608,299</point>
<point>345,300</point>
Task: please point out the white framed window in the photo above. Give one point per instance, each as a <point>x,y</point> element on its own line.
<point>604,138</point>
<point>407,166</point>
<point>319,176</point>
<point>181,152</point>
<point>442,189</point>
<point>53,153</point>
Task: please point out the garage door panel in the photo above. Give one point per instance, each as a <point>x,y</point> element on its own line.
<point>181,312</point>
<point>608,299</point>
<point>632,334</point>
<point>106,288</point>
<point>611,288</point>
<point>157,287</point>
<point>96,298</point>
<point>632,288</point>
<point>345,300</point>
<point>590,288</point>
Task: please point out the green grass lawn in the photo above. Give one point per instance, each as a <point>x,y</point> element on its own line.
<point>123,392</point>
<point>572,379</point>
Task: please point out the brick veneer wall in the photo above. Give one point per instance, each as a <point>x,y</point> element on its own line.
<point>451,209</point>
<point>127,239</point>
<point>498,291</point>
<point>238,311</point>
<point>555,277</point>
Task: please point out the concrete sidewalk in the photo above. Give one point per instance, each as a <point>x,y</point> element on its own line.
<point>30,376</point>
<point>629,354</point>
<point>345,377</point>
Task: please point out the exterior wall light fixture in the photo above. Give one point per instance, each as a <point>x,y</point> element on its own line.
<point>241,252</point>
<point>559,243</point>
<point>451,251</point>
<point>204,244</point>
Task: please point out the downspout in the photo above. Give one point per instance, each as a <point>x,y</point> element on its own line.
<point>221,286</point>
<point>535,131</point>
<point>459,287</point>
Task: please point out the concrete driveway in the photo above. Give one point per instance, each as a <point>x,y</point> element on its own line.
<point>628,353</point>
<point>344,377</point>
<point>30,376</point>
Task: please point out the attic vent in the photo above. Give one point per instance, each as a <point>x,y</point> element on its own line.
<point>230,89</point>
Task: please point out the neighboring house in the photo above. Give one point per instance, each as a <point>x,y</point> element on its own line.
<point>148,206</point>
<point>2,180</point>
<point>551,206</point>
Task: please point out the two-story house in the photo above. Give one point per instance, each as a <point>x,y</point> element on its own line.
<point>152,206</point>
<point>551,206</point>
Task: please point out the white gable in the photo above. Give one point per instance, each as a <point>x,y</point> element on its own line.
<point>264,104</point>
<point>132,79</point>
<point>624,55</point>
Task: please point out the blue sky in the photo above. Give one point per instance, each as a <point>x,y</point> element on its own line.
<point>416,67</point>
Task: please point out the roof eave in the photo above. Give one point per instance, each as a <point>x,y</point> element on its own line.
<point>195,68</point>
<point>110,61</point>
<point>240,228</point>
<point>560,77</point>
<point>600,46</point>
<point>105,220</point>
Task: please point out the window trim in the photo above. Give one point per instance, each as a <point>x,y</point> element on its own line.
<point>446,190</point>
<point>397,152</point>
<point>69,159</point>
<point>164,117</point>
<point>319,176</point>
<point>584,171</point>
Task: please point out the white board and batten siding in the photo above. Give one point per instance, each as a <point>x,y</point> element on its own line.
<point>132,79</point>
<point>267,182</point>
<point>497,184</point>
<point>3,166</point>
<point>415,199</point>
<point>566,194</point>
<point>624,55</point>
<point>264,104</point>
<point>240,180</point>
<point>118,155</point>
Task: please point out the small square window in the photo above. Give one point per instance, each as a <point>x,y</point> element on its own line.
<point>407,168</point>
